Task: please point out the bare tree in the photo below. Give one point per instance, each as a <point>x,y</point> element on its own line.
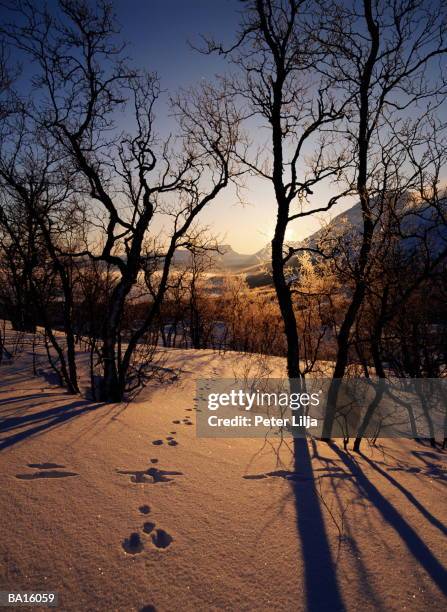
<point>274,58</point>
<point>406,322</point>
<point>37,190</point>
<point>379,54</point>
<point>130,179</point>
<point>16,231</point>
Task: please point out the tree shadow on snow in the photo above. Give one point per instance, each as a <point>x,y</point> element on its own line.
<point>16,429</point>
<point>322,589</point>
<point>390,515</point>
<point>320,576</point>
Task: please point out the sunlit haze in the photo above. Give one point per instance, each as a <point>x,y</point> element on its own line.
<point>161,35</point>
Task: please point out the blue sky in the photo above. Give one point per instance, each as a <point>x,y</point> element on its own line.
<point>158,32</point>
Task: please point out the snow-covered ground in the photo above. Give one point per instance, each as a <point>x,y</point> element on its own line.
<point>222,524</point>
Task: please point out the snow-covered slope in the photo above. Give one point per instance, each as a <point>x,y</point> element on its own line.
<point>220,524</point>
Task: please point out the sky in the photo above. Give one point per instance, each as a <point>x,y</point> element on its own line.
<point>159,33</point>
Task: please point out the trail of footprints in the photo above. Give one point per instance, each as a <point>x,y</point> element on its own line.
<point>202,393</point>
<point>159,538</point>
<point>150,476</point>
<point>134,544</point>
<point>171,441</point>
<point>186,421</point>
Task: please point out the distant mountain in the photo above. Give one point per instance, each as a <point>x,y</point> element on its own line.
<point>257,266</point>
<point>260,274</point>
<point>419,223</point>
<point>226,259</point>
<point>418,220</point>
<point>231,259</point>
<point>351,217</point>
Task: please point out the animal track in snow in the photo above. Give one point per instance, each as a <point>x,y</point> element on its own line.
<point>133,544</point>
<point>162,475</point>
<point>161,538</point>
<point>45,470</point>
<point>286,474</point>
<point>150,476</point>
<point>45,466</point>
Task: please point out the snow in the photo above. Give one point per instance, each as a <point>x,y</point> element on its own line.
<point>221,524</point>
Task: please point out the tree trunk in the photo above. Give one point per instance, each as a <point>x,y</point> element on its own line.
<point>111,389</point>
<point>368,225</point>
<point>380,371</point>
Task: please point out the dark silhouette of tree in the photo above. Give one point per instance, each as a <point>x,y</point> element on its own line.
<point>379,55</point>
<point>274,58</point>
<point>39,218</point>
<point>129,179</point>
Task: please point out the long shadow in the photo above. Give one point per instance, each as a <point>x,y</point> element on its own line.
<point>20,409</point>
<point>411,539</point>
<point>321,584</point>
<point>322,590</point>
<point>432,469</point>
<point>411,498</point>
<point>42,421</point>
<point>22,398</point>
